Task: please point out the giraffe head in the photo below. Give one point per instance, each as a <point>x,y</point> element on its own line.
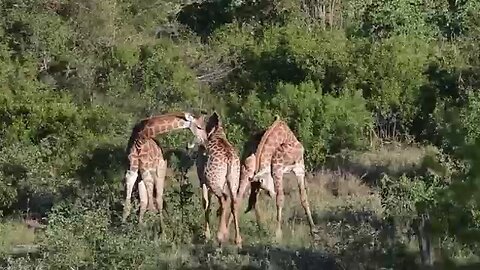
<point>264,177</point>
<point>197,126</point>
<point>213,124</point>
<point>205,129</point>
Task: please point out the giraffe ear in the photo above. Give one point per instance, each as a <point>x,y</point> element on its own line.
<point>213,122</point>
<point>189,117</point>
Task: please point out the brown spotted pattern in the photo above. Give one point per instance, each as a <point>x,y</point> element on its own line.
<point>145,157</point>
<point>222,174</point>
<point>277,153</point>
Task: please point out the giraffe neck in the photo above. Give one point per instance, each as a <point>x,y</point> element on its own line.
<point>149,128</point>
<point>163,123</point>
<point>218,133</point>
<point>218,142</point>
<point>270,141</point>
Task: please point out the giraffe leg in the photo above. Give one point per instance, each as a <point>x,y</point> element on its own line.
<point>206,201</point>
<point>277,175</point>
<point>149,183</point>
<point>222,228</point>
<point>299,172</point>
<point>234,210</point>
<point>233,181</point>
<point>130,178</point>
<point>252,202</point>
<point>230,217</point>
<point>280,198</point>
<point>159,186</point>
<point>143,194</point>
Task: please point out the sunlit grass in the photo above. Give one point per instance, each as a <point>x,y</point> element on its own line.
<point>14,232</point>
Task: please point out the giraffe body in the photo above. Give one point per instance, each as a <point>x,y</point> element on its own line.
<point>145,156</point>
<point>277,153</point>
<point>151,165</point>
<point>220,176</point>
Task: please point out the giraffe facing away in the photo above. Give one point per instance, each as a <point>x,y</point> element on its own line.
<point>152,168</point>
<point>220,176</point>
<point>277,153</point>
<point>145,156</point>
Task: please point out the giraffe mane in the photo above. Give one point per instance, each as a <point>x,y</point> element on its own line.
<point>140,126</point>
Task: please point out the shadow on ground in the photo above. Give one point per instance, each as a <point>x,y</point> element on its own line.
<point>261,257</point>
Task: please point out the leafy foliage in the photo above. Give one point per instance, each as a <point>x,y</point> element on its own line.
<point>346,76</point>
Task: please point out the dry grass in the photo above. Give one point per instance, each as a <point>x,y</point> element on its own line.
<point>14,233</point>
<point>349,218</point>
<point>346,208</point>
<point>394,160</point>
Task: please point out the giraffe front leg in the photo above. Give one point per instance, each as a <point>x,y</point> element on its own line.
<point>280,198</point>
<point>299,172</point>
<point>253,203</point>
<point>130,178</point>
<point>206,201</point>
<point>159,186</point>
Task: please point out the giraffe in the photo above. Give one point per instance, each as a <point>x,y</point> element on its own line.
<point>277,153</point>
<point>219,174</point>
<point>152,168</point>
<point>145,156</point>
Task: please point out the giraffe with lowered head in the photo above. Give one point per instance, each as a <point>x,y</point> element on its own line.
<point>145,156</point>
<point>220,176</point>
<point>277,153</point>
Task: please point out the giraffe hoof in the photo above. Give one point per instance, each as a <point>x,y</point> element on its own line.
<point>220,238</point>
<point>238,242</point>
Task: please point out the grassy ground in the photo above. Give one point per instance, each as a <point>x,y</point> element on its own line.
<point>348,213</point>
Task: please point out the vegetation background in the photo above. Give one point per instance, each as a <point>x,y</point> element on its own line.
<point>383,94</point>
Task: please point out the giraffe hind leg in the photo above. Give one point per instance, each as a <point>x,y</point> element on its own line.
<point>159,187</point>
<point>142,192</point>
<point>233,178</point>
<point>221,233</point>
<point>149,184</point>
<point>130,179</point>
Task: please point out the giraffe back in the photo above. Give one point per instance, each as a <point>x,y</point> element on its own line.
<point>146,157</point>
<point>223,162</point>
<point>278,133</point>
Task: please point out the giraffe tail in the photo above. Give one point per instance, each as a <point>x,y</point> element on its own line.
<point>233,178</point>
